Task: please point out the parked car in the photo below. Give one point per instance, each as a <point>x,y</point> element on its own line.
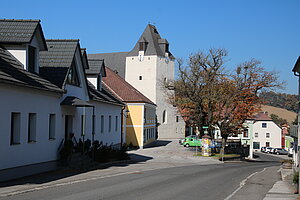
<point>181,141</point>
<point>280,151</point>
<point>192,142</point>
<point>263,149</point>
<point>269,149</point>
<point>291,152</point>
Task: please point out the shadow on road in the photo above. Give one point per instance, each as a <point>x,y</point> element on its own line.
<point>157,143</point>
<point>265,158</point>
<point>65,173</point>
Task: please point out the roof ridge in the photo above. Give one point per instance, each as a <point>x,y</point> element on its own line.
<point>108,53</point>
<point>97,59</point>
<point>21,20</point>
<point>62,40</point>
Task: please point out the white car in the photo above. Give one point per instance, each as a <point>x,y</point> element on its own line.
<point>291,151</point>
<point>269,149</point>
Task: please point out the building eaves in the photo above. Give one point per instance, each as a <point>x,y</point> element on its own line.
<point>103,96</point>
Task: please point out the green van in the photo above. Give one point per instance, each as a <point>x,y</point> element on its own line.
<point>192,142</point>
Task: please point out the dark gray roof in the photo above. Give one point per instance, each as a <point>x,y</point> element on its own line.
<point>12,72</point>
<point>60,53</point>
<point>153,40</point>
<point>95,66</point>
<point>115,61</point>
<point>20,31</point>
<point>104,95</point>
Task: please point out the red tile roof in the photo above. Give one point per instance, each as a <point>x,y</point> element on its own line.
<point>122,89</point>
<point>261,116</point>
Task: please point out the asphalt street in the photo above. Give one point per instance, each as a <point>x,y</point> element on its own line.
<point>187,182</point>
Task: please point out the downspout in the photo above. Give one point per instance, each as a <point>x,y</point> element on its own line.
<point>93,125</point>
<point>296,150</point>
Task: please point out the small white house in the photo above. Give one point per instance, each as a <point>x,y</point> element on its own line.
<point>30,105</point>
<point>265,133</point>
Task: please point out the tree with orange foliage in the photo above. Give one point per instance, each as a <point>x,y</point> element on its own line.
<point>207,95</point>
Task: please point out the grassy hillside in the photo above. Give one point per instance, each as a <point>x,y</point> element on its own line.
<point>283,113</point>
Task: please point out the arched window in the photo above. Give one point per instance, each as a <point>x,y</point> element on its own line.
<point>164,117</point>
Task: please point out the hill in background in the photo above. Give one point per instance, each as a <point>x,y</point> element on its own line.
<point>290,116</point>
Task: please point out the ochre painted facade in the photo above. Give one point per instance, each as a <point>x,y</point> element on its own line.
<point>140,124</point>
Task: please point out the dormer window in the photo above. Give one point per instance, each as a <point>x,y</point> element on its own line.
<point>73,75</point>
<point>167,48</point>
<point>31,59</point>
<point>141,46</point>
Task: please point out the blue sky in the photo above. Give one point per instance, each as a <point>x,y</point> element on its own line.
<point>267,30</point>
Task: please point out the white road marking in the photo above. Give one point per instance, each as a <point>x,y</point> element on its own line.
<point>242,184</point>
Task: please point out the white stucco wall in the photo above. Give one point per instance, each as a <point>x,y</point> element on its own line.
<point>272,128</point>
<point>93,80</point>
<point>108,138</point>
<point>19,53</point>
<point>25,101</point>
<point>170,129</point>
<point>145,68</point>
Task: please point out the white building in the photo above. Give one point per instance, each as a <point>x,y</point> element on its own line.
<point>45,96</point>
<point>146,67</point>
<point>265,132</point>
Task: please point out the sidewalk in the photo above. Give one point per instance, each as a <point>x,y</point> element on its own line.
<point>283,190</point>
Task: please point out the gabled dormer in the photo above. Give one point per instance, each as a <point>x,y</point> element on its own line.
<point>95,72</point>
<point>24,39</point>
<point>164,46</point>
<point>142,48</point>
<point>63,65</point>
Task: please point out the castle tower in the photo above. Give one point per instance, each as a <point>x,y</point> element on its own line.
<point>148,65</point>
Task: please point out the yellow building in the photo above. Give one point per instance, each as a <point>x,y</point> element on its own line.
<point>139,114</point>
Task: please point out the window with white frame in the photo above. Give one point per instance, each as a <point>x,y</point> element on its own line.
<point>245,133</point>
<point>164,117</point>
<point>109,123</point>
<point>31,127</point>
<point>15,128</point>
<point>117,123</point>
<point>51,126</point>
<point>267,135</point>
<point>102,124</point>
<point>264,125</point>
<point>255,134</point>
<point>83,124</point>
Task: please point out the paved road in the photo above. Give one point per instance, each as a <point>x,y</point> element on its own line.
<point>192,181</point>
